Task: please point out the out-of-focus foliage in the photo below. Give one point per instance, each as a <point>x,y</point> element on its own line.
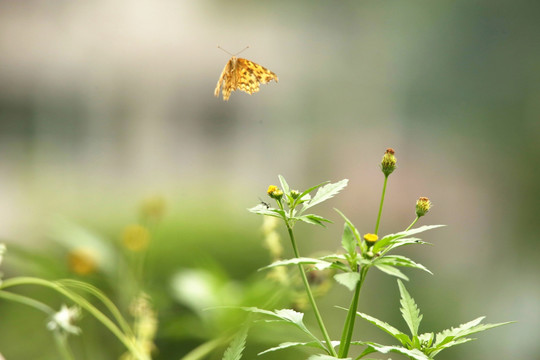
<point>102,103</point>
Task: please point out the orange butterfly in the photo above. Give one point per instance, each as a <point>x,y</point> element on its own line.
<point>242,74</point>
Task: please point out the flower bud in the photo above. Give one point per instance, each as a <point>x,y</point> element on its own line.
<point>371,239</point>
<point>388,163</point>
<point>295,194</point>
<point>274,192</point>
<point>422,206</point>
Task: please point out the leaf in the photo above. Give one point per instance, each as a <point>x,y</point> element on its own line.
<point>353,228</point>
<point>348,240</point>
<point>326,192</point>
<point>409,310</point>
<point>236,347</point>
<point>403,338</point>
<point>348,279</point>
<point>319,264</point>
<point>287,345</point>
<point>386,240</point>
<point>414,353</point>
<point>263,210</point>
<point>404,241</point>
<point>326,357</point>
<point>390,270</point>
<point>286,315</point>
<point>469,328</point>
<point>398,260</point>
<point>313,219</point>
<point>284,184</point>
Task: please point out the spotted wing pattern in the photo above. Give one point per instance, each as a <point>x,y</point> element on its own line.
<point>244,75</point>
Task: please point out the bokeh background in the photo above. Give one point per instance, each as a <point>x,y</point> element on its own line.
<point>106,104</point>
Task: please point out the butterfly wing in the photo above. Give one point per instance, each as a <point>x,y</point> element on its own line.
<point>225,80</point>
<point>244,75</point>
<point>250,75</point>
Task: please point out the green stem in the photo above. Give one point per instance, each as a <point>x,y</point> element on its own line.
<point>27,301</point>
<point>82,302</point>
<point>348,328</point>
<point>414,222</point>
<point>61,339</point>
<point>310,296</point>
<point>381,205</point>
<point>62,345</point>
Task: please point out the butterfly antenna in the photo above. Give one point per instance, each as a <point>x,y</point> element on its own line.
<point>233,54</point>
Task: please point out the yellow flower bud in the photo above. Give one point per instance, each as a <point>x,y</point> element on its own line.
<point>388,163</point>
<point>274,192</point>
<point>422,206</point>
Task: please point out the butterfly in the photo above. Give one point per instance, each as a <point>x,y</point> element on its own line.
<point>242,74</point>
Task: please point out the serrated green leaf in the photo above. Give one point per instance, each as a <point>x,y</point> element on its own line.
<point>469,328</point>
<point>319,264</point>
<point>390,270</point>
<point>326,192</point>
<point>236,347</point>
<point>325,357</point>
<point>286,315</point>
<point>287,345</point>
<point>386,240</point>
<point>401,337</point>
<point>348,279</point>
<point>404,241</point>
<point>313,219</point>
<point>409,310</point>
<point>414,353</point>
<point>398,260</point>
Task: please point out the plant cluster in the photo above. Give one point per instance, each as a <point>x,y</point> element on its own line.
<point>360,254</point>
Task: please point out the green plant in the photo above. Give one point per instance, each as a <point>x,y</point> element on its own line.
<point>361,253</point>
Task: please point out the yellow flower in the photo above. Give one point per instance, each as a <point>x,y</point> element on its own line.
<point>274,192</point>
<point>371,238</point>
<point>136,237</point>
<point>82,261</point>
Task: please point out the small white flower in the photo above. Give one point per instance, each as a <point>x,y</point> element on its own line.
<point>64,320</point>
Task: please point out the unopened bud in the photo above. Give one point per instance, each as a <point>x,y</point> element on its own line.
<point>388,163</point>
<point>422,206</point>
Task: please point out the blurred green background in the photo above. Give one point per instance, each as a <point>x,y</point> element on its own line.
<point>106,103</point>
